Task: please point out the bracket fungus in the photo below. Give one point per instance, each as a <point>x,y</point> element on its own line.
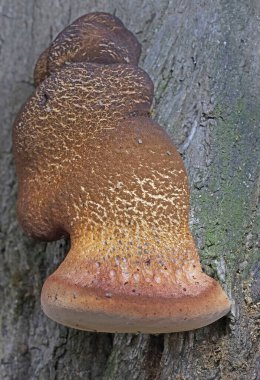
<point>92,165</point>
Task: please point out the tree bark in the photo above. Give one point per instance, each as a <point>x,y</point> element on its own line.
<point>204,61</point>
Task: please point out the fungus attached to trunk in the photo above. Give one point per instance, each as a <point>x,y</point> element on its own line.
<point>92,165</point>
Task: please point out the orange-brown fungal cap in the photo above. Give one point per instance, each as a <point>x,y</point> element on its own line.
<point>91,164</point>
<point>96,38</point>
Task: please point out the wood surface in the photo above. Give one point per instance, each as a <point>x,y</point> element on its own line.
<point>203,57</point>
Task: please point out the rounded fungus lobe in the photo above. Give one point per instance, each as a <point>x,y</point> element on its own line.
<point>92,165</point>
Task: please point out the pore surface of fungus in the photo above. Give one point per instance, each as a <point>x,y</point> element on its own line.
<point>92,165</point>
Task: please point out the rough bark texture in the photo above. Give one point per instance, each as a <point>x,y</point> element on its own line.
<point>204,61</point>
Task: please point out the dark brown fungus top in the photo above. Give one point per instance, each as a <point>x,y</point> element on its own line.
<point>92,165</point>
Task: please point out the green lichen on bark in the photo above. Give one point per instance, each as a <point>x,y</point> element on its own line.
<point>226,202</point>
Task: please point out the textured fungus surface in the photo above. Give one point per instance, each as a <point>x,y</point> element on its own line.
<point>92,165</point>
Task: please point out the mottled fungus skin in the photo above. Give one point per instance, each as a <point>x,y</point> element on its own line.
<point>92,165</point>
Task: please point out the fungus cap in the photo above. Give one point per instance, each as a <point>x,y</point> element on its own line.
<point>114,309</point>
<point>92,165</point>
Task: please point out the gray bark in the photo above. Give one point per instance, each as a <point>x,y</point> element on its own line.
<point>204,61</point>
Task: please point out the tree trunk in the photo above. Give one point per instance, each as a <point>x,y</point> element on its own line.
<point>203,59</point>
